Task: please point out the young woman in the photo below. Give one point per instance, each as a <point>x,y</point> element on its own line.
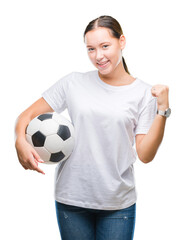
<point>95,193</point>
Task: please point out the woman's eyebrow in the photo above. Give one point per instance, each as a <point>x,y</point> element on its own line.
<point>100,44</point>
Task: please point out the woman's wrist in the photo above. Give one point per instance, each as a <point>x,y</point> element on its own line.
<point>163,107</point>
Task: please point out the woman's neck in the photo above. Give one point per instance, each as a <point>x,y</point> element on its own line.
<point>118,76</point>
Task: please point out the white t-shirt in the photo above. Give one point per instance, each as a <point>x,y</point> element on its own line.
<point>99,174</point>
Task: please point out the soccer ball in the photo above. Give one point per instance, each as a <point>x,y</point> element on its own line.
<point>52,136</point>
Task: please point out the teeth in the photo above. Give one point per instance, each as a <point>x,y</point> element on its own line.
<point>102,63</point>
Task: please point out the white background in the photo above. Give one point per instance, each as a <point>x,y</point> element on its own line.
<point>40,42</point>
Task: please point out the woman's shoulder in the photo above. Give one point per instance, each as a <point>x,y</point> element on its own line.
<point>145,84</point>
<point>75,77</point>
<point>144,88</point>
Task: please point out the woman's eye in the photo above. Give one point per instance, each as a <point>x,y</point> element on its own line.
<point>90,49</point>
<point>105,45</point>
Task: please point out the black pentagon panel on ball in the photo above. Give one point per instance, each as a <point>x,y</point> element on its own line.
<point>56,157</point>
<point>45,116</point>
<point>64,132</point>
<point>38,139</point>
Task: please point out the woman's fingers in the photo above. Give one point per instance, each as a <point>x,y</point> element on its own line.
<point>33,165</point>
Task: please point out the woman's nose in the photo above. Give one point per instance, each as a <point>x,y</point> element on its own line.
<point>99,55</point>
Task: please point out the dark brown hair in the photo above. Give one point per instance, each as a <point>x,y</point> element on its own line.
<point>112,24</point>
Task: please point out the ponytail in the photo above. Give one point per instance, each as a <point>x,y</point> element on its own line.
<point>125,65</point>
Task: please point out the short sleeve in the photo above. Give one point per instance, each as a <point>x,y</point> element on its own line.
<point>55,96</point>
<point>146,117</point>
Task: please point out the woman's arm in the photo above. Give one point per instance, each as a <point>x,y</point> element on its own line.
<point>37,108</point>
<point>27,156</point>
<point>148,144</point>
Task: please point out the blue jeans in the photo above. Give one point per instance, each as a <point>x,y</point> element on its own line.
<point>77,223</point>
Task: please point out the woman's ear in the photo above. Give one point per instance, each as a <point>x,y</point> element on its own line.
<point>122,41</point>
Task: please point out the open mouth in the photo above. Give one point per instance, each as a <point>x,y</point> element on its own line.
<point>102,65</point>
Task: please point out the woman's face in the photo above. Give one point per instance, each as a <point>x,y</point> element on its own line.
<point>104,51</point>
